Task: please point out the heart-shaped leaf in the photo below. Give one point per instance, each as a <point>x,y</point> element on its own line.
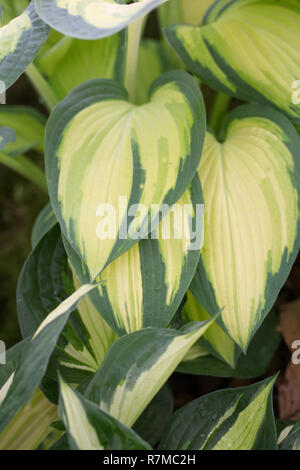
<point>92,19</point>
<point>251,184</point>
<point>246,48</point>
<point>105,155</point>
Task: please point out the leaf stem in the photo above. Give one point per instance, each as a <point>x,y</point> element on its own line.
<point>134,34</point>
<point>218,110</point>
<point>42,86</point>
<point>26,168</point>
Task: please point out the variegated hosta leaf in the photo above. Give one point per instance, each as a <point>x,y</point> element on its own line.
<point>145,361</point>
<point>251,184</point>
<point>70,62</point>
<point>30,426</point>
<point>261,350</point>
<point>44,283</point>
<point>232,419</point>
<point>215,340</point>
<point>28,126</point>
<point>289,438</point>
<point>246,48</point>
<point>20,386</point>
<point>92,19</point>
<point>145,285</point>
<point>20,40</point>
<point>105,156</point>
<point>90,428</point>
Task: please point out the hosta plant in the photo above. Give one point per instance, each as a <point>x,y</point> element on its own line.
<point>172,167</point>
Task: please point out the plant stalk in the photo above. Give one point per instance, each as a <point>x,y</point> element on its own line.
<point>42,86</point>
<point>134,34</point>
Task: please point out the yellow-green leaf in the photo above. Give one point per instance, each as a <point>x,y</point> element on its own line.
<point>144,286</point>
<point>105,156</point>
<point>251,186</point>
<point>70,62</point>
<point>246,48</point>
<point>214,339</point>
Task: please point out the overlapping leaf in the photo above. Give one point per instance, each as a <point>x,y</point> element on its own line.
<point>260,352</point>
<point>247,49</point>
<point>145,285</point>
<point>92,19</point>
<point>30,426</point>
<point>106,156</point>
<point>251,184</point>
<point>289,438</point>
<point>44,283</point>
<point>90,428</point>
<point>70,62</point>
<point>232,419</point>
<point>20,40</point>
<point>21,384</point>
<point>145,361</point>
<point>214,339</point>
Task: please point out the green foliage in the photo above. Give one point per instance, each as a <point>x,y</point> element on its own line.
<point>106,320</point>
